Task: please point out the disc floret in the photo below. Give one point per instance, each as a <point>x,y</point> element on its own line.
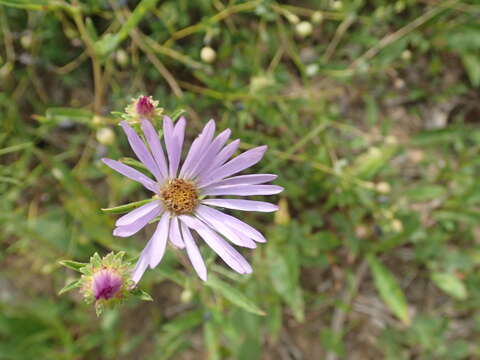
<point>179,196</point>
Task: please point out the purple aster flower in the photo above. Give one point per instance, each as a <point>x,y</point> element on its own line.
<point>182,195</point>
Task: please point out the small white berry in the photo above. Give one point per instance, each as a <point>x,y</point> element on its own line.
<point>317,17</point>
<point>383,187</point>
<point>337,5</point>
<point>406,55</point>
<point>105,136</point>
<point>121,57</point>
<point>207,54</point>
<point>397,225</point>
<point>304,29</point>
<point>26,40</point>
<point>292,18</point>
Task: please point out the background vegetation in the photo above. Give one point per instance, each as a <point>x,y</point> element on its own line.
<point>372,124</point>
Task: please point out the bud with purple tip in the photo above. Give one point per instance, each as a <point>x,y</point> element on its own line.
<point>106,284</point>
<point>143,107</point>
<point>105,281</point>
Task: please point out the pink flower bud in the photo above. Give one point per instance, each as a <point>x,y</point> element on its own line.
<point>106,284</point>
<point>145,106</point>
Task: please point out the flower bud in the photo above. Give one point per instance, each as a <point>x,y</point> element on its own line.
<point>106,282</point>
<point>208,55</point>
<point>144,107</point>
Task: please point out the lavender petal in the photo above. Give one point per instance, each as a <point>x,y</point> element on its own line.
<point>140,150</point>
<point>173,146</point>
<point>228,254</point>
<point>237,164</point>
<point>210,152</point>
<point>253,179</point>
<point>159,241</point>
<point>223,229</point>
<point>136,214</point>
<point>155,146</point>
<point>131,173</point>
<point>197,149</point>
<point>179,132</point>
<point>137,225</point>
<point>175,235</point>
<point>194,253</point>
<point>220,159</point>
<point>245,205</point>
<point>243,190</point>
<point>236,224</point>
<point>142,264</point>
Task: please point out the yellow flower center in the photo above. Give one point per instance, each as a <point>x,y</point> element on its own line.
<point>179,196</point>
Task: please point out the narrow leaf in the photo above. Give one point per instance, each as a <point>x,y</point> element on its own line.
<point>176,114</point>
<point>126,207</point>
<point>74,265</point>
<point>133,163</point>
<point>451,284</point>
<point>389,289</point>
<point>73,285</point>
<point>142,295</point>
<point>233,295</point>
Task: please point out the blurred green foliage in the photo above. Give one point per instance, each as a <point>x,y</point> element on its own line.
<point>372,125</point>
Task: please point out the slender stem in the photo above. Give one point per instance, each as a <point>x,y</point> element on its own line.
<point>97,68</point>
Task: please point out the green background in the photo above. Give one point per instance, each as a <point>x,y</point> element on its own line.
<point>372,123</point>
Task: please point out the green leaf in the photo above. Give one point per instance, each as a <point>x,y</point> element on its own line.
<point>451,284</point>
<point>99,308</point>
<point>472,65</point>
<point>368,164</point>
<point>285,276</point>
<point>58,115</point>
<point>176,114</point>
<point>233,295</point>
<point>389,289</point>
<point>212,341</point>
<point>26,4</point>
<point>90,27</point>
<point>468,216</point>
<point>142,295</point>
<point>96,261</point>
<point>426,192</point>
<point>109,42</point>
<point>183,323</point>
<point>126,207</point>
<point>74,265</point>
<point>134,163</point>
<point>73,285</point>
